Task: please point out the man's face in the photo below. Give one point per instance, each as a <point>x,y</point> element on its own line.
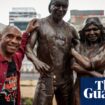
<point>92,33</point>
<point>59,9</point>
<point>11,40</point>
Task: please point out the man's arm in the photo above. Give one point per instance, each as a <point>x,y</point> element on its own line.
<point>42,67</point>
<point>30,28</point>
<point>82,60</point>
<point>96,62</point>
<point>80,70</point>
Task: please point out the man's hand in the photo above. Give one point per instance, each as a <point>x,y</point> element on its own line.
<point>74,53</point>
<point>33,25</point>
<point>42,67</point>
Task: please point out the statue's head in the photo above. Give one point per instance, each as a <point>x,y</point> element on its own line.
<point>92,31</point>
<point>57,1</point>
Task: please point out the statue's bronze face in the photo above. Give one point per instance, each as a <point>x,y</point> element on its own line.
<point>58,9</point>
<point>92,33</point>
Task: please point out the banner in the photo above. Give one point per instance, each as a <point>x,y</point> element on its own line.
<point>92,91</point>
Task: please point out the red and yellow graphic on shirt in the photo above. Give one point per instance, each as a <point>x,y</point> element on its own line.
<point>10,87</point>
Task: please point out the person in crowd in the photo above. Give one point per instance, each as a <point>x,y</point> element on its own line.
<point>12,50</point>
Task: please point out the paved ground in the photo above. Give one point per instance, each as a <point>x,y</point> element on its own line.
<point>28,88</point>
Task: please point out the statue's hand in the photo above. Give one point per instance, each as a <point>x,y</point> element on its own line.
<point>42,67</point>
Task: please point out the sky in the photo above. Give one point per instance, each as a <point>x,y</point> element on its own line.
<point>41,6</point>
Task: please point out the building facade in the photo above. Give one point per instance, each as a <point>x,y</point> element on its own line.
<point>21,16</point>
<point>78,16</point>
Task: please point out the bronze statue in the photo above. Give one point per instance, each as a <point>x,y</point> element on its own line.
<point>53,60</point>
<point>89,60</point>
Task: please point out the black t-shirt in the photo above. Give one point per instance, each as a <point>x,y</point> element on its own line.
<point>9,90</point>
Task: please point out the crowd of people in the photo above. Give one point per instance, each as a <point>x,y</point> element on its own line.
<point>60,51</point>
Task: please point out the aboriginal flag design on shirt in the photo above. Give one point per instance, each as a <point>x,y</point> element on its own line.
<point>9,90</point>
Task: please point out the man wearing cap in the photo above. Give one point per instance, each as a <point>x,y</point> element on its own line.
<point>90,60</point>
<point>53,60</point>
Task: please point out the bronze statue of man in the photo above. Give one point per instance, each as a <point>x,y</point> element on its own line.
<point>53,58</point>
